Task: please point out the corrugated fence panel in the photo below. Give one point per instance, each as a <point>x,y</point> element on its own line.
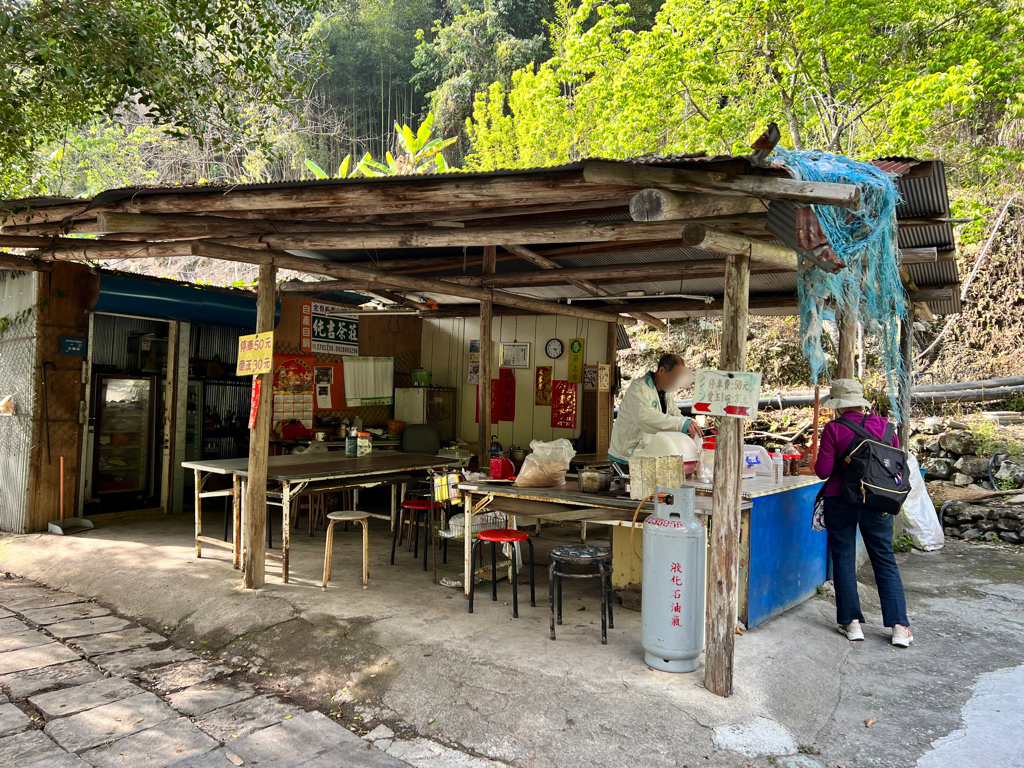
<point>17,377</point>
<point>216,342</point>
<point>110,338</point>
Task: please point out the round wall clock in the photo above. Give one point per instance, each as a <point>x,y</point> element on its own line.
<point>553,349</point>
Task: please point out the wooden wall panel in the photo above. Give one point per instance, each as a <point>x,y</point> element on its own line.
<point>64,296</point>
<point>446,354</point>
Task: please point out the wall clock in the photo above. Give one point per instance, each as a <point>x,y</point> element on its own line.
<point>553,349</point>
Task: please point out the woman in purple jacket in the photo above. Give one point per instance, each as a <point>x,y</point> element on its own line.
<point>842,519</point>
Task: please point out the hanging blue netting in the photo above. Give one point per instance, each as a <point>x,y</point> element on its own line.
<point>865,239</point>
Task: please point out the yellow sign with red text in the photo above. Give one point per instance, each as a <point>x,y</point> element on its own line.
<point>255,354</point>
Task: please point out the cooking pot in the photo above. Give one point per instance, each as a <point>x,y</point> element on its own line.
<point>516,454</point>
<point>594,480</point>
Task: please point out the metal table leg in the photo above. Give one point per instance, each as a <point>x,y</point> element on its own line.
<point>467,506</point>
<point>286,503</point>
<point>237,512</point>
<point>200,481</point>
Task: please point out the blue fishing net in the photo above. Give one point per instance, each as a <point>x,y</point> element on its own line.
<point>865,239</point>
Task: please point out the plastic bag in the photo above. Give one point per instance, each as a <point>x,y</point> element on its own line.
<point>546,465</point>
<point>705,471</point>
<point>918,513</point>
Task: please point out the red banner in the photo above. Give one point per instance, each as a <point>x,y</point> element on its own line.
<point>503,397</point>
<point>506,397</point>
<point>563,404</point>
<point>254,407</point>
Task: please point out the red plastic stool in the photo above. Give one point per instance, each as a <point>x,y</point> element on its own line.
<point>498,536</point>
<point>416,507</point>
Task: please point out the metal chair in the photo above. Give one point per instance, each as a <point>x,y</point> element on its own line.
<point>577,554</point>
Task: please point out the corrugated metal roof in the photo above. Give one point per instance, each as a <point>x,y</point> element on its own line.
<point>114,195</point>
<point>924,195</point>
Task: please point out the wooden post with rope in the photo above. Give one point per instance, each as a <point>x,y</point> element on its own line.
<point>723,560</point>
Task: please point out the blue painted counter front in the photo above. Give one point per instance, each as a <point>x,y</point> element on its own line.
<point>788,560</point>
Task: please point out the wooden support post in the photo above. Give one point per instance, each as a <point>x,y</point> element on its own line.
<point>845,365</point>
<point>612,356</point>
<point>170,411</point>
<point>254,537</point>
<point>723,561</point>
<point>484,390</point>
<point>907,363</point>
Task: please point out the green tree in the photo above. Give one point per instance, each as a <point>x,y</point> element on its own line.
<point>477,47</point>
<point>193,67</point>
<point>366,86</point>
<point>853,77</point>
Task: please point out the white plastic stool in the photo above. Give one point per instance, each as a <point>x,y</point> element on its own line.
<point>349,516</point>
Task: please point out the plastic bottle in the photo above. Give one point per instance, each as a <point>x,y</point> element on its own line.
<point>777,468</point>
<point>351,443</point>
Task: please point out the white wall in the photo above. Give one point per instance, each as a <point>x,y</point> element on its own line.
<point>446,354</point>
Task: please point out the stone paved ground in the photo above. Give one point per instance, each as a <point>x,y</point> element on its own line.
<point>82,687</point>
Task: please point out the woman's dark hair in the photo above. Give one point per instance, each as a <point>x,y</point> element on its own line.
<point>669,361</point>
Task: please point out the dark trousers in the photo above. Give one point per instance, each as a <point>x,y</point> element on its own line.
<point>841,521</point>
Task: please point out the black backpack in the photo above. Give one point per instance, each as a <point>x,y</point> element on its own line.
<point>874,473</point>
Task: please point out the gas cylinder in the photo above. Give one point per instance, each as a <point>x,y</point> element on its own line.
<point>672,606</point>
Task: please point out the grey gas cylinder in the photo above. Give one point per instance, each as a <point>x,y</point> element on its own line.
<point>672,608</point>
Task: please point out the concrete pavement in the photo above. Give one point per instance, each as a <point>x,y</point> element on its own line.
<point>404,664</point>
<point>82,687</point>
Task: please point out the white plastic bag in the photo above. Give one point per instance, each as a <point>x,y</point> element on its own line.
<point>705,471</point>
<point>918,512</point>
<point>546,465</point>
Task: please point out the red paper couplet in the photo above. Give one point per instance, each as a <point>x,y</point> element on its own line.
<point>254,407</point>
<point>507,395</point>
<point>563,404</point>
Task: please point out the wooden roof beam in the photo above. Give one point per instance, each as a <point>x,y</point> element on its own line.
<point>584,285</point>
<point>651,304</point>
<point>440,237</point>
<point>13,261</point>
<point>664,205</point>
<point>177,225</point>
<point>679,180</point>
<point>371,278</point>
<point>375,196</point>
<point>720,241</point>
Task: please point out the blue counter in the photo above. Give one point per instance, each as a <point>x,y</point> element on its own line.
<point>787,559</point>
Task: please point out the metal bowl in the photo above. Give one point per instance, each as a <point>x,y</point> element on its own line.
<point>594,480</point>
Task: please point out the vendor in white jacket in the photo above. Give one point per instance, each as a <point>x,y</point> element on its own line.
<point>649,407</point>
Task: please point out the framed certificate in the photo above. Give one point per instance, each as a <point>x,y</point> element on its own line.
<point>514,354</point>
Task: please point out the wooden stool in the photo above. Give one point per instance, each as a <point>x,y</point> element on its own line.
<point>577,554</point>
<point>350,516</point>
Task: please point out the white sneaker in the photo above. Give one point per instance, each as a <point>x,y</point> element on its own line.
<point>901,636</point>
<point>852,631</point>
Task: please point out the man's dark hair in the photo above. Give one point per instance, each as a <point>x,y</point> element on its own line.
<point>669,361</point>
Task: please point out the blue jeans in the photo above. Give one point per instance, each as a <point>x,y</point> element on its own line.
<point>841,521</point>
